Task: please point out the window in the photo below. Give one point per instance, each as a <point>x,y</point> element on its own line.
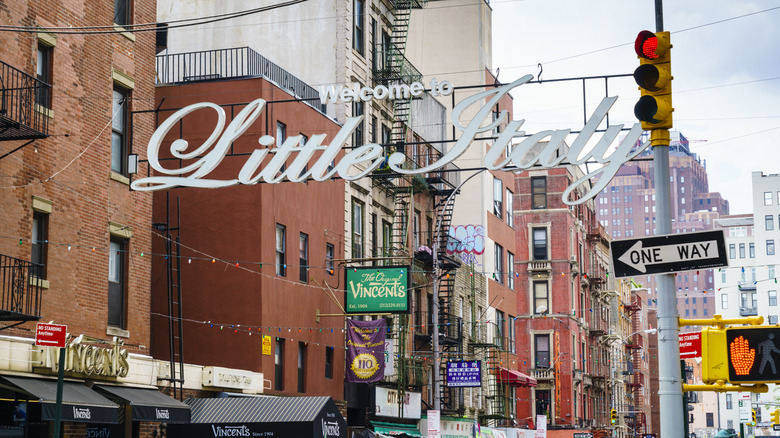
<point>752,250</point>
<point>43,71</point>
<point>498,272</point>
<point>386,134</point>
<point>281,136</point>
<point>541,298</point>
<point>357,229</point>
<point>374,129</point>
<point>358,109</point>
<point>511,334</point>
<point>510,270</point>
<point>772,319</point>
<point>729,402</point>
<point>303,251</point>
<point>301,367</point>
<point>538,192</point>
<point>498,195</point>
<point>386,236</point>
<point>500,320</point>
<point>122,12</point>
<point>710,419</point>
<point>724,301</point>
<point>742,250</point>
<point>119,113</point>
<point>771,271</point>
<point>279,365</point>
<point>117,281</point>
<point>769,222</point>
<point>772,297</point>
<point>40,250</point>
<point>767,198</point>
<point>281,245</point>
<point>510,219</point>
<point>328,362</point>
<point>358,30</point>
<point>329,254</point>
<point>542,351</point>
<point>770,247</point>
<point>539,243</point>
<point>732,251</point>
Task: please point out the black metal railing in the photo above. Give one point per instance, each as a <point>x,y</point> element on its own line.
<point>19,94</point>
<point>233,63</point>
<point>20,289</point>
<point>385,69</point>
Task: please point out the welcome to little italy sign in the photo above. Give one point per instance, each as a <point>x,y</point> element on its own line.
<point>266,164</point>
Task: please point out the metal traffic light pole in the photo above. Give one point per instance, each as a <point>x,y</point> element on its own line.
<point>669,376</point>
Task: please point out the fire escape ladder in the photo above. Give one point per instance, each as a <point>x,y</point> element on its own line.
<point>494,397</point>
<point>172,236</point>
<point>402,202</point>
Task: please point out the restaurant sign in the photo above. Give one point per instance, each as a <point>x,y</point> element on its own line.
<point>377,289</point>
<point>106,359</point>
<point>267,164</point>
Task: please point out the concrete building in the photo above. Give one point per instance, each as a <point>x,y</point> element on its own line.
<point>748,287</point>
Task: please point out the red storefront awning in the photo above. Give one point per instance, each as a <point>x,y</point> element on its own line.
<point>515,378</point>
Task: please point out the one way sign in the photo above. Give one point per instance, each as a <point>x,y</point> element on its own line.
<point>669,253</point>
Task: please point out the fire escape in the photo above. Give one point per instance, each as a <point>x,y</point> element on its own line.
<point>24,101</point>
<point>634,349</point>
<point>598,325</point>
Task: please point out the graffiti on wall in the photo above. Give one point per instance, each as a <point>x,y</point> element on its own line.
<point>466,239</point>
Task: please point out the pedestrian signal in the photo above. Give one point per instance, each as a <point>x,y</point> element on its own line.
<point>752,354</point>
<point>613,416</point>
<point>775,416</point>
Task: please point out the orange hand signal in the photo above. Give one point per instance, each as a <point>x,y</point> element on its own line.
<point>742,356</point>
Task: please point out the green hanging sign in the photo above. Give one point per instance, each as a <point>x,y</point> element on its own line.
<point>377,289</point>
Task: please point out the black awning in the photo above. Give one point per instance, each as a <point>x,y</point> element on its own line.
<point>79,403</point>
<point>268,416</point>
<point>149,404</point>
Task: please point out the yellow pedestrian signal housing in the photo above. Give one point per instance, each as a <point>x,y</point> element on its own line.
<point>613,416</point>
<point>775,416</point>
<point>753,418</point>
<point>654,77</point>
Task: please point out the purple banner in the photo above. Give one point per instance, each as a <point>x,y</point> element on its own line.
<point>365,351</point>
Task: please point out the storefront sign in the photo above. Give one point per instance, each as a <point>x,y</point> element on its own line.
<point>388,403</point>
<point>230,378</point>
<point>378,289</point>
<point>201,160</point>
<point>434,423</point>
<point>464,374</point>
<point>365,350</point>
<point>90,360</point>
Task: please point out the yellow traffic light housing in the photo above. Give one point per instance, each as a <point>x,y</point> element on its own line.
<point>654,77</point>
<point>753,418</point>
<point>613,416</point>
<point>775,416</point>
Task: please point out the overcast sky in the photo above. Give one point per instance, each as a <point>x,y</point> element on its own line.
<point>725,62</point>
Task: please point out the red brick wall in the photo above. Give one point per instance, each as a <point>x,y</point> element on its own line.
<point>85,198</point>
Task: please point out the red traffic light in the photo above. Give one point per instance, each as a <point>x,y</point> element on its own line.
<point>647,45</point>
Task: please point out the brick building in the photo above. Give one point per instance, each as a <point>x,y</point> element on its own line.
<point>76,245</point>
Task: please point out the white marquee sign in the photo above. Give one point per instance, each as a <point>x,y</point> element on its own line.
<point>265,165</point>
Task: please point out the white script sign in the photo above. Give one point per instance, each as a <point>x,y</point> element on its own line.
<point>256,169</point>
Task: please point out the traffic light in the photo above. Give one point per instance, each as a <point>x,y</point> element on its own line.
<point>654,77</point>
<point>613,416</point>
<point>753,418</point>
<point>775,416</point>
<point>750,353</point>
